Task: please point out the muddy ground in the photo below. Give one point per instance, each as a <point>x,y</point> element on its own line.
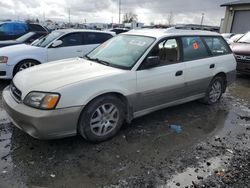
<point>212,149</point>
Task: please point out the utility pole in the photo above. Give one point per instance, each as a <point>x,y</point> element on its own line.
<point>69,17</point>
<point>44,17</point>
<point>119,11</point>
<point>202,20</point>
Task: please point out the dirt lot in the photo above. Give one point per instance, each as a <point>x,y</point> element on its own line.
<point>211,150</point>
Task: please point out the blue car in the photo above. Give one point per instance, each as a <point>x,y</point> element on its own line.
<point>13,30</point>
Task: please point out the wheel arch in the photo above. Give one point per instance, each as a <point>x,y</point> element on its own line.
<point>21,61</point>
<point>120,96</point>
<point>224,76</point>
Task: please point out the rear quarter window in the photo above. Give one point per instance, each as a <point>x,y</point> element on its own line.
<point>193,48</point>
<point>217,45</point>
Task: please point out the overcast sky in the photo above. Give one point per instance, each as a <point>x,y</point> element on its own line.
<point>185,11</point>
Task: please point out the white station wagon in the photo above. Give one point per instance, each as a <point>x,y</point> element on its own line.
<point>59,44</point>
<point>128,76</point>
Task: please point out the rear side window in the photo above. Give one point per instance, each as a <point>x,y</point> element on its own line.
<point>193,48</point>
<point>217,45</point>
<point>96,38</point>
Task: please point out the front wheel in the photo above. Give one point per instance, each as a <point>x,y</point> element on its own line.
<point>101,119</point>
<point>24,65</point>
<point>214,91</point>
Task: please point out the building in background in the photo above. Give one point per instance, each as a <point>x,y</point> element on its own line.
<point>237,17</point>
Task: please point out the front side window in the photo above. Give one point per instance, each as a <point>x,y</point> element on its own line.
<point>168,52</point>
<point>73,39</point>
<point>217,45</point>
<point>122,51</point>
<point>43,42</point>
<point>193,48</point>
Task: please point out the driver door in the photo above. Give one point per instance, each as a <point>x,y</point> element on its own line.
<point>166,82</point>
<point>72,46</point>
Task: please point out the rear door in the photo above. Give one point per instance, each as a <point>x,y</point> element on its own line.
<point>203,57</point>
<point>164,83</point>
<point>199,66</point>
<point>72,46</point>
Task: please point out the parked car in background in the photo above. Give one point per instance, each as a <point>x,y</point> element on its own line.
<point>130,75</point>
<point>13,30</point>
<point>59,44</point>
<point>234,38</point>
<point>27,38</point>
<point>241,49</point>
<point>227,35</point>
<point>119,30</point>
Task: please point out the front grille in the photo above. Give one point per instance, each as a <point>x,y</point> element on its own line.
<point>243,58</point>
<point>16,93</point>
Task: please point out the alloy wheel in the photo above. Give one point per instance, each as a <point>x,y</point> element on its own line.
<point>215,91</point>
<point>104,119</point>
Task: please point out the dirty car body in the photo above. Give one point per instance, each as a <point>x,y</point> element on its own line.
<point>134,73</point>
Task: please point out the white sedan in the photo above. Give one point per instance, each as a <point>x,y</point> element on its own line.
<point>60,44</point>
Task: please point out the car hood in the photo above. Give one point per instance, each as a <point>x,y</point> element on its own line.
<point>8,43</point>
<point>54,75</point>
<point>241,48</point>
<point>18,49</point>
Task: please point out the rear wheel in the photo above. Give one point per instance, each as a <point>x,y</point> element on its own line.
<point>24,65</point>
<point>215,90</point>
<point>101,119</point>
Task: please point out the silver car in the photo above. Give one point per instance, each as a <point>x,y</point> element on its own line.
<point>128,76</point>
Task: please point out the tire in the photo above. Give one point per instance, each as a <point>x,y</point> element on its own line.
<point>214,90</point>
<point>101,119</point>
<point>24,65</point>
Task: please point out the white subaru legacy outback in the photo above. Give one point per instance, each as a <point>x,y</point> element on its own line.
<point>128,76</point>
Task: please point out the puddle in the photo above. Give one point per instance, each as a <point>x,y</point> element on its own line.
<point>191,175</point>
<point>3,117</point>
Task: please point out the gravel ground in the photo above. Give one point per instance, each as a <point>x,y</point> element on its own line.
<point>212,150</point>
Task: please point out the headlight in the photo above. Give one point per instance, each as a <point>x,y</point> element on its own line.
<point>3,59</point>
<point>42,100</point>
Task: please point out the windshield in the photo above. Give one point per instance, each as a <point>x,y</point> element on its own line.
<point>245,38</point>
<point>44,41</point>
<point>25,37</point>
<point>122,51</point>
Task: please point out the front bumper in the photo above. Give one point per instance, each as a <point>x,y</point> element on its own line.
<point>42,124</point>
<point>243,68</point>
<point>6,71</point>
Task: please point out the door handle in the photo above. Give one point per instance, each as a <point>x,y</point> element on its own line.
<point>178,73</point>
<point>79,51</point>
<point>212,66</point>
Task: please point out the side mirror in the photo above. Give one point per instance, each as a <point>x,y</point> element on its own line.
<point>56,43</point>
<point>152,61</point>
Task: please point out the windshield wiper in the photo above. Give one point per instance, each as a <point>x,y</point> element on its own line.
<point>98,60</point>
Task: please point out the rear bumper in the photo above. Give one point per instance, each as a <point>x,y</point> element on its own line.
<point>243,68</point>
<point>42,124</point>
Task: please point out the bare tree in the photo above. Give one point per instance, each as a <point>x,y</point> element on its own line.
<point>130,17</point>
<point>170,19</point>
